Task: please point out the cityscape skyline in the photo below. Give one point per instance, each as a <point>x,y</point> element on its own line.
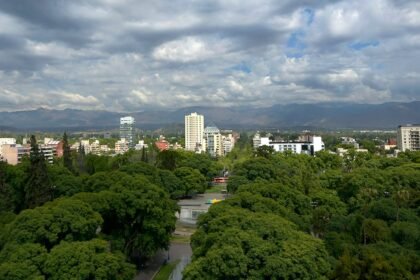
<point>128,55</point>
<point>209,139</point>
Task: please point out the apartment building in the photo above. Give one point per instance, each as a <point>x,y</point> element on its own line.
<point>408,137</point>
<point>194,133</point>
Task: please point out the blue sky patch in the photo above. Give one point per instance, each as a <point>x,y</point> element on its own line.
<point>294,54</point>
<point>295,40</point>
<point>242,67</point>
<point>357,46</point>
<point>309,16</point>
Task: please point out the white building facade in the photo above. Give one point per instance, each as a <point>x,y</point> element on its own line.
<point>48,151</point>
<point>408,137</point>
<point>139,146</point>
<point>213,141</point>
<point>256,140</point>
<point>194,132</point>
<point>310,147</point>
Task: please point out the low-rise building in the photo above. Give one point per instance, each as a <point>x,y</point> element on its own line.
<point>390,144</point>
<point>75,146</point>
<point>312,145</point>
<point>342,152</point>
<point>349,141</point>
<point>121,146</point>
<point>162,144</point>
<point>105,149</point>
<point>175,146</point>
<point>95,148</point>
<point>86,145</point>
<point>91,148</point>
<point>139,146</point>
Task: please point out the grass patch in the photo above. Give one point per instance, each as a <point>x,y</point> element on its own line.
<point>185,227</point>
<point>181,239</point>
<point>165,271</point>
<point>216,188</point>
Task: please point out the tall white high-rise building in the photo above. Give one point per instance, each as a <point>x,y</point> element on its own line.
<point>127,130</point>
<point>194,132</point>
<point>408,137</point>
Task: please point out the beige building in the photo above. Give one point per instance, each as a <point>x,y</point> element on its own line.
<point>6,141</point>
<point>408,137</point>
<point>228,142</point>
<point>194,132</point>
<point>105,149</point>
<point>91,148</point>
<point>121,146</point>
<point>95,147</point>
<point>13,153</point>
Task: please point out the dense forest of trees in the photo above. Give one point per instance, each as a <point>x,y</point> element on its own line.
<point>324,217</point>
<point>287,216</point>
<point>92,217</point>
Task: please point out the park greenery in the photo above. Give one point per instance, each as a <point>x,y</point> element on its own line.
<point>287,216</point>
<point>89,216</point>
<point>298,217</point>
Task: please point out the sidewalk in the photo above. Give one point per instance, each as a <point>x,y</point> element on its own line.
<point>176,252</point>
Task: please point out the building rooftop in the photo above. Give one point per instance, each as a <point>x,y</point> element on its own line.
<point>53,142</point>
<point>127,120</point>
<point>409,125</point>
<point>211,129</point>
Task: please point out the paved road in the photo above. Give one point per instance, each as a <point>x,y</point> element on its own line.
<point>176,252</point>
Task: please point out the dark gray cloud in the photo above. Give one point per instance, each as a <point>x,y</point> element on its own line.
<point>126,54</point>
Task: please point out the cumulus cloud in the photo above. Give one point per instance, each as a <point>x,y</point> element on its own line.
<point>189,49</point>
<point>130,55</point>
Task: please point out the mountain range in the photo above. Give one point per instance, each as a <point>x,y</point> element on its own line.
<point>320,115</point>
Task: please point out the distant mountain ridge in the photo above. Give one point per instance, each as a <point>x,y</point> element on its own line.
<point>320,115</point>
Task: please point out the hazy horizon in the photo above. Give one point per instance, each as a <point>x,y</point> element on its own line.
<point>245,106</point>
<point>126,55</point>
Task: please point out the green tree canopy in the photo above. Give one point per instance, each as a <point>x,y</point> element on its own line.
<point>67,158</point>
<point>240,244</point>
<point>87,260</point>
<point>38,187</point>
<point>191,179</point>
<point>62,219</point>
<point>138,219</point>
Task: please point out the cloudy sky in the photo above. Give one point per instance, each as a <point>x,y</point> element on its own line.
<point>130,55</point>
